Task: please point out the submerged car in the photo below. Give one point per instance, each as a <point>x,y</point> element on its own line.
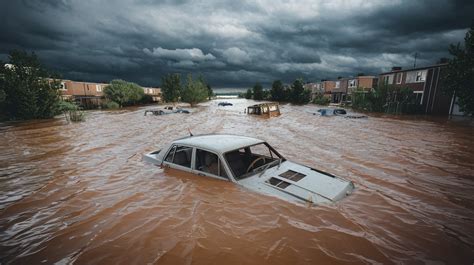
<point>166,110</point>
<point>328,112</point>
<point>251,163</point>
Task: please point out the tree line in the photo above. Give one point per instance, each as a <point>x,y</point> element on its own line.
<point>192,91</point>
<point>296,93</point>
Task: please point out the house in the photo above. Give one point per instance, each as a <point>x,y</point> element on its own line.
<point>341,89</point>
<point>315,89</point>
<point>425,84</point>
<point>154,92</point>
<point>328,86</point>
<point>86,93</point>
<point>339,92</point>
<point>90,94</point>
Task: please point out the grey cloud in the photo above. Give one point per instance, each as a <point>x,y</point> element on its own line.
<point>192,55</point>
<point>236,56</point>
<point>233,43</point>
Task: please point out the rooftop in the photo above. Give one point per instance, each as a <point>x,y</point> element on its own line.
<point>414,69</point>
<point>219,143</point>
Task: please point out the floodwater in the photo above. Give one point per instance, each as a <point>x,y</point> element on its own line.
<point>80,193</point>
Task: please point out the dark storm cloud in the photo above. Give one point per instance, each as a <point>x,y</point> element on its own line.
<point>233,43</point>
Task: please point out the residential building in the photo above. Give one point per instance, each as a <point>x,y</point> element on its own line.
<point>339,93</point>
<point>328,86</point>
<point>341,89</point>
<point>366,82</point>
<point>154,92</point>
<point>425,83</point>
<point>91,95</point>
<point>86,93</point>
<point>315,89</point>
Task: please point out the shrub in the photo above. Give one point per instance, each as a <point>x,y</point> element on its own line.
<point>146,99</point>
<point>71,111</point>
<point>111,105</point>
<point>321,100</point>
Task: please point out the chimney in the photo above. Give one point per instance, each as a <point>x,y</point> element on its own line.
<point>396,68</point>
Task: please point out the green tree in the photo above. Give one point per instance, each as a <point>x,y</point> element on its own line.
<point>458,76</point>
<point>194,91</point>
<point>248,94</point>
<point>299,95</point>
<point>28,91</point>
<point>124,93</point>
<point>257,91</point>
<point>277,92</point>
<point>210,92</point>
<point>171,87</point>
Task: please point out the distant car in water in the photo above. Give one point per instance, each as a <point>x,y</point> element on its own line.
<point>166,110</point>
<point>327,112</point>
<point>251,163</point>
<point>270,109</point>
<point>339,112</point>
<point>225,104</point>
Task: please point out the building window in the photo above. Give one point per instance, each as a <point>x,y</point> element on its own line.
<point>399,78</point>
<point>388,79</point>
<point>353,83</point>
<point>98,88</point>
<point>62,86</point>
<point>416,77</point>
<point>420,76</point>
<point>338,84</point>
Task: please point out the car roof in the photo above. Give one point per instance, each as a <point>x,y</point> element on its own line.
<point>219,143</point>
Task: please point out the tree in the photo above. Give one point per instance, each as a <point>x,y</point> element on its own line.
<point>210,93</point>
<point>458,76</point>
<point>194,91</point>
<point>28,91</point>
<point>124,93</point>
<point>248,95</point>
<point>257,91</point>
<point>299,95</point>
<point>171,87</point>
<point>277,92</point>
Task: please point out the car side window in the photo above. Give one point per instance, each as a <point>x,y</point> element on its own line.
<point>180,155</point>
<point>170,155</point>
<point>209,163</point>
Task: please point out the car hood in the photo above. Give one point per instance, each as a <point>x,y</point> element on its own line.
<point>295,182</point>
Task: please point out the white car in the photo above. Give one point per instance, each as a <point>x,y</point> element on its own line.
<point>251,163</point>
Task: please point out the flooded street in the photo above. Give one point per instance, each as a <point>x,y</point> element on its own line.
<point>80,193</point>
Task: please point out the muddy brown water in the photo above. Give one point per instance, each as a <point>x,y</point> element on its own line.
<point>80,193</point>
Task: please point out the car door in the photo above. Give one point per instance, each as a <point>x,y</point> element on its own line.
<point>209,164</point>
<point>179,157</point>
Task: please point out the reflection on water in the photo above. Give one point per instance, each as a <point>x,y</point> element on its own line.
<point>80,192</point>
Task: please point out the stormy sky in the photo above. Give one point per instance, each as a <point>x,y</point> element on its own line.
<point>232,43</point>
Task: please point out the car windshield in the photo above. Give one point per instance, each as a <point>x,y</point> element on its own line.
<point>247,161</point>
